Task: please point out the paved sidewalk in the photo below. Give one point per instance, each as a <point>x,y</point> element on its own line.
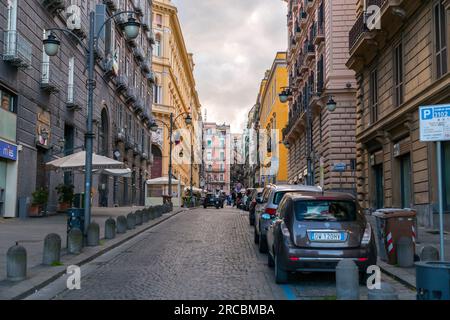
<point>424,237</point>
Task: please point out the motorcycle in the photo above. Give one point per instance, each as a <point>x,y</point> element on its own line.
<point>217,203</point>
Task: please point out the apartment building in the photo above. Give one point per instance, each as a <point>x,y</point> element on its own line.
<point>174,92</point>
<point>217,156</point>
<point>44,99</point>
<point>401,62</point>
<point>321,142</point>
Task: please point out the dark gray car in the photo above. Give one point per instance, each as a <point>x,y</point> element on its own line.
<point>266,212</point>
<point>313,231</point>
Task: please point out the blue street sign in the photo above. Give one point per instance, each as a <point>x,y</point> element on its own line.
<point>339,167</point>
<point>8,151</point>
<point>434,123</point>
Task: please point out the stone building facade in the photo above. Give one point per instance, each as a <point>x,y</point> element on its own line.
<point>46,98</point>
<point>319,141</point>
<point>401,63</point>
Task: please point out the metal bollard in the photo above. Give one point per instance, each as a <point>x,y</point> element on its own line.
<point>131,221</point>
<point>405,252</point>
<point>110,228</point>
<point>138,215</point>
<point>52,249</point>
<point>16,263</point>
<point>121,224</point>
<point>93,234</point>
<point>347,280</point>
<point>429,253</point>
<point>74,241</point>
<point>386,292</point>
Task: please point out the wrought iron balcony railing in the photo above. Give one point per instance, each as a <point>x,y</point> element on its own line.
<point>16,49</point>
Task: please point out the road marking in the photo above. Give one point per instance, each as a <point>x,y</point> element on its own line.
<point>290,295</point>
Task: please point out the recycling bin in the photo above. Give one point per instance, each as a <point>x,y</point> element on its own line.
<point>393,224</point>
<point>432,280</point>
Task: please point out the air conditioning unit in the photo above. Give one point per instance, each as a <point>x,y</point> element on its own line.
<point>53,6</point>
<point>121,135</point>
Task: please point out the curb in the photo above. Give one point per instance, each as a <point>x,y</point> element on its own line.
<point>397,277</point>
<point>57,275</point>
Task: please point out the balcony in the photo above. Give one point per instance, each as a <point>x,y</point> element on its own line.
<point>138,106</point>
<point>303,16</point>
<point>310,51</point>
<point>120,135</point>
<point>138,53</point>
<point>121,82</point>
<point>146,23</point>
<point>110,67</point>
<point>146,65</point>
<point>111,4</point>
<point>150,76</point>
<point>54,6</point>
<point>130,95</point>
<point>138,7</point>
<point>129,144</point>
<point>151,37</point>
<point>309,5</point>
<point>319,33</point>
<point>51,80</point>
<point>17,51</point>
<point>73,104</point>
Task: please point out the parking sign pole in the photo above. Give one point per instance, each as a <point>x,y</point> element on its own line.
<point>440,199</point>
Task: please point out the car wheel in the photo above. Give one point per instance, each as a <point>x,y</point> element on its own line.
<point>281,276</point>
<point>262,244</point>
<point>255,234</point>
<point>363,276</point>
<point>270,261</point>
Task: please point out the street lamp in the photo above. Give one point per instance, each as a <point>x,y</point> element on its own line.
<point>51,46</point>
<point>331,104</point>
<point>285,94</point>
<point>154,128</point>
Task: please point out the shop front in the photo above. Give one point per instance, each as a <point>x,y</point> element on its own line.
<point>8,179</point>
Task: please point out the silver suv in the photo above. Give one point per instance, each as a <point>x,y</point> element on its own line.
<point>266,210</point>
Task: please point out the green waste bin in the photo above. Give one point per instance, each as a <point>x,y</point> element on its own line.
<point>433,280</point>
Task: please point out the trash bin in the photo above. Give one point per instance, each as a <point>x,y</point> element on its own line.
<point>393,224</point>
<point>432,280</point>
<point>75,219</point>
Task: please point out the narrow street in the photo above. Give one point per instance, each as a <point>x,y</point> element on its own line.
<point>198,254</point>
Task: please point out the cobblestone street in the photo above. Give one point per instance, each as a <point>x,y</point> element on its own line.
<point>198,254</point>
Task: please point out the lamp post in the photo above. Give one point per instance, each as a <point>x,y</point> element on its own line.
<point>51,46</point>
<point>154,127</point>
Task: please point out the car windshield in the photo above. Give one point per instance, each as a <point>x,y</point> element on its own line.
<point>278,196</point>
<point>325,210</point>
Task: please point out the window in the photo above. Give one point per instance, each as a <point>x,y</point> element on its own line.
<point>209,156</point>
<point>398,74</point>
<point>158,20</point>
<point>157,94</point>
<point>8,101</point>
<point>325,210</point>
<point>70,82</point>
<point>222,155</point>
<point>157,45</point>
<point>440,32</point>
<point>209,143</point>
<point>221,177</point>
<point>373,96</point>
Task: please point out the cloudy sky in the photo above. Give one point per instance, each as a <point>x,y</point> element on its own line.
<point>234,42</point>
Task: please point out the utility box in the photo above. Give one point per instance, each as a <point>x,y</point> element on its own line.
<point>393,224</point>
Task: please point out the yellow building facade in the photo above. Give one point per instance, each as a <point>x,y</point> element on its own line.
<point>273,117</point>
<point>174,92</point>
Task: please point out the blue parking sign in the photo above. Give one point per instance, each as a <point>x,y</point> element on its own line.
<point>426,113</point>
<point>434,123</point>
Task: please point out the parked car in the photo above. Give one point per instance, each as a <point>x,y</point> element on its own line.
<point>271,200</point>
<point>313,231</point>
<point>255,198</point>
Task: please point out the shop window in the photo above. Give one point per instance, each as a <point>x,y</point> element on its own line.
<point>440,33</point>
<point>8,101</point>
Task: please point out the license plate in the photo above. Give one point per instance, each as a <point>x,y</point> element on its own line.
<point>327,236</point>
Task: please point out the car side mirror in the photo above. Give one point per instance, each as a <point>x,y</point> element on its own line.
<point>259,200</point>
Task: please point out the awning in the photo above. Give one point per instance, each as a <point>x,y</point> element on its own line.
<point>77,161</point>
<point>162,181</point>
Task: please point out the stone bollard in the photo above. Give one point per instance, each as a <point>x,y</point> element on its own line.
<point>145,216</point>
<point>93,234</point>
<point>121,224</point>
<point>131,221</point>
<point>138,215</point>
<point>347,280</point>
<point>405,252</point>
<point>74,241</point>
<point>386,292</point>
<point>429,253</point>
<point>16,263</point>
<point>152,211</point>
<point>110,228</point>
<point>52,249</point>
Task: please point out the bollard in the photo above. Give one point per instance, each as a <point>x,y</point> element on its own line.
<point>93,234</point>
<point>52,249</point>
<point>347,280</point>
<point>74,241</point>
<point>121,224</point>
<point>131,221</point>
<point>145,216</point>
<point>138,215</point>
<point>110,228</point>
<point>386,292</point>
<point>429,253</point>
<point>16,263</point>
<point>405,252</point>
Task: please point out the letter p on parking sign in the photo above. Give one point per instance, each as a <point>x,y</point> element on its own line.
<point>426,113</point>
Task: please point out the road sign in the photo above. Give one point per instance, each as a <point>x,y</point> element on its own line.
<point>434,123</point>
<point>339,167</point>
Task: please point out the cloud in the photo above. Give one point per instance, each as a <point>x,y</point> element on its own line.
<point>234,42</point>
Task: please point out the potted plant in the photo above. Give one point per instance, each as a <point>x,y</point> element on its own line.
<point>66,196</point>
<point>40,197</point>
